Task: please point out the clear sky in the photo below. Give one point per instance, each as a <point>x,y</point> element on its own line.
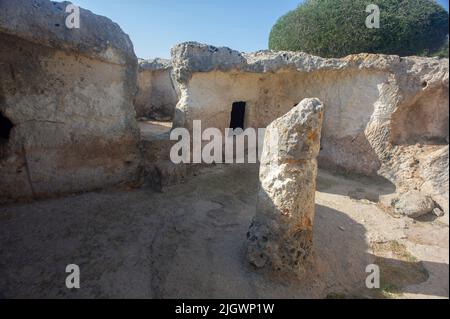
<point>155,26</point>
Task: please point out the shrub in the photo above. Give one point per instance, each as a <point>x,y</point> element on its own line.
<point>335,28</point>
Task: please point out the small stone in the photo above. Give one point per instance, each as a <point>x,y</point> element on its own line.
<point>342,228</point>
<point>414,204</point>
<point>388,201</point>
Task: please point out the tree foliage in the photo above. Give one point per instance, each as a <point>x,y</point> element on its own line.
<point>336,28</point>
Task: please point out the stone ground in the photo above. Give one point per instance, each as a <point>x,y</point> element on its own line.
<point>189,243</point>
<point>154,129</point>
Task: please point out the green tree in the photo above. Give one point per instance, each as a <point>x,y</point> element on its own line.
<point>336,28</point>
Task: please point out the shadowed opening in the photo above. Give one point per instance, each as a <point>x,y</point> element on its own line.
<point>5,131</point>
<point>237,115</point>
<point>5,128</point>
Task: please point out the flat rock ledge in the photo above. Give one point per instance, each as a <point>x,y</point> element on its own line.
<point>193,57</point>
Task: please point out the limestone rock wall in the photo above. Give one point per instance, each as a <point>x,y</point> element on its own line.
<point>157,95</point>
<point>384,114</point>
<point>68,95</point>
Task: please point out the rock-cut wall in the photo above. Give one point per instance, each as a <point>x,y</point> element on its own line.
<point>157,95</point>
<point>385,115</point>
<point>66,101</point>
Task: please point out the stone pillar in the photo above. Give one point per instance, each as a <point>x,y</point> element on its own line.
<point>280,235</point>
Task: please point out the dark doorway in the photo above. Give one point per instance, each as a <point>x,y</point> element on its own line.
<point>5,128</point>
<point>237,115</point>
<point>5,131</point>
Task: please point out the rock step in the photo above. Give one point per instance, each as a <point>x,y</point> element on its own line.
<point>158,170</point>
<point>156,150</point>
<point>165,173</point>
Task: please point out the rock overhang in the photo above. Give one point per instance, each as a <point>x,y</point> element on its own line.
<point>193,57</point>
<point>43,22</point>
<point>156,64</point>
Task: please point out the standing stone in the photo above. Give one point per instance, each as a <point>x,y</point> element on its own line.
<point>280,235</point>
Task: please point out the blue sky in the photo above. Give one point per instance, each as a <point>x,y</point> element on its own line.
<point>156,25</point>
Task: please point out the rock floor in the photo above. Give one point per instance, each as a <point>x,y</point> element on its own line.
<point>151,130</point>
<point>189,242</point>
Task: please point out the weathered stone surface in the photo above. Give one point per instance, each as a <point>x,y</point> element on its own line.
<point>189,58</point>
<point>68,94</point>
<point>158,171</point>
<point>280,235</point>
<point>155,150</point>
<point>156,64</point>
<point>164,173</point>
<point>385,114</point>
<point>157,96</point>
<point>413,204</point>
<point>43,22</point>
<point>434,172</point>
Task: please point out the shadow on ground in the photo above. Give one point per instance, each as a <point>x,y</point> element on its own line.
<point>367,188</point>
<point>185,243</point>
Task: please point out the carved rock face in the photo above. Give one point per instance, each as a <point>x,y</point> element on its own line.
<point>69,95</point>
<point>386,115</point>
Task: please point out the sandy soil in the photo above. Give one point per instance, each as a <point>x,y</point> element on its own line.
<point>189,242</point>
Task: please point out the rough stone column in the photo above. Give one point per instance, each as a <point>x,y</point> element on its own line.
<point>280,235</point>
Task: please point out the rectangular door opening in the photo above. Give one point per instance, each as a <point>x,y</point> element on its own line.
<point>237,115</point>
<point>5,128</point>
<point>5,131</point>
